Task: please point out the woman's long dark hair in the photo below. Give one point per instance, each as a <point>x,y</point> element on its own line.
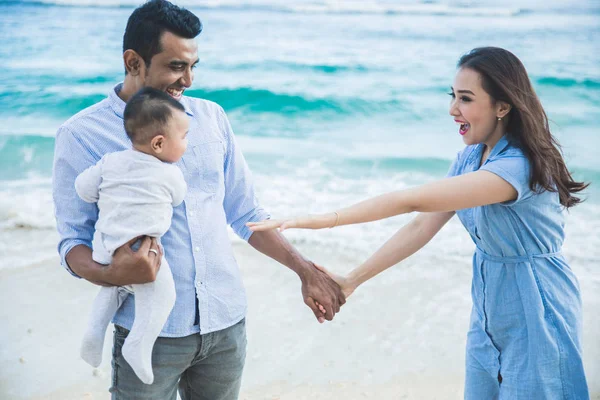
<point>504,78</point>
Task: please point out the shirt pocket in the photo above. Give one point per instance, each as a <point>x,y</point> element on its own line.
<point>203,166</point>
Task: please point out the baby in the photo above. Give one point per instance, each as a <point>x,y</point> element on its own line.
<point>136,191</point>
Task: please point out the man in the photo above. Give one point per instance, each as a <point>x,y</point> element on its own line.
<point>201,350</point>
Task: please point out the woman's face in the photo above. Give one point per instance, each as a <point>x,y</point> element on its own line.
<point>474,110</point>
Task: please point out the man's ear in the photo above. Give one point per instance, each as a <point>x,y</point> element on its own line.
<point>502,109</point>
<point>157,143</point>
<point>133,62</point>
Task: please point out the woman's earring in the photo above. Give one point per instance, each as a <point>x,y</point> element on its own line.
<point>499,118</point>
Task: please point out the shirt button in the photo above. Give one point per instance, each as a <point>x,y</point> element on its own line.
<point>191,213</point>
<point>196,249</point>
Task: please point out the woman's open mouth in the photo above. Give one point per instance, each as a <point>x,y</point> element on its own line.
<point>464,128</point>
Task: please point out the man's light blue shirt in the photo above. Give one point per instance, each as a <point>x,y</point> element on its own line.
<point>197,245</point>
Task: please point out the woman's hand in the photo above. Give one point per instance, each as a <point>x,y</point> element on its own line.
<point>343,282</point>
<point>309,222</point>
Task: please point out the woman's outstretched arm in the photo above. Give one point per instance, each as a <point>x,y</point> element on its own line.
<point>465,191</point>
<point>407,241</point>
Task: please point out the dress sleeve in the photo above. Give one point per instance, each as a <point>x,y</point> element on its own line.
<point>515,169</point>
<point>456,166</point>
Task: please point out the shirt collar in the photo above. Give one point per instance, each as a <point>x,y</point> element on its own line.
<point>502,144</point>
<point>118,105</point>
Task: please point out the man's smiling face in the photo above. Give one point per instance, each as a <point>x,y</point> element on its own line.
<point>171,70</point>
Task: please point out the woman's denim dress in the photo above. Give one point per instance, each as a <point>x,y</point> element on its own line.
<point>524,339</point>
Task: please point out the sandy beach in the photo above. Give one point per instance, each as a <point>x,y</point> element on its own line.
<point>331,103</point>
<point>401,336</point>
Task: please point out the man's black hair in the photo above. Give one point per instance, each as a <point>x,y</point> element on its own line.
<point>149,21</point>
<point>147,112</point>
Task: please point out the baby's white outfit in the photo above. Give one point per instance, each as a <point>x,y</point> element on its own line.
<point>136,193</point>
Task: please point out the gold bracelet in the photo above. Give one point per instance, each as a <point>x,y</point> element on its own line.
<point>337,219</point>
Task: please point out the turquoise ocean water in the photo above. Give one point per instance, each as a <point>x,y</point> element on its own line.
<point>332,101</point>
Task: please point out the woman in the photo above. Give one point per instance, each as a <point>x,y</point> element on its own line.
<point>509,187</point>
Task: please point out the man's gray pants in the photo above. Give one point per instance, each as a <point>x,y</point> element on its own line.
<point>201,367</point>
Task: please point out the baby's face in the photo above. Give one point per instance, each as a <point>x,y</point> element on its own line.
<point>176,138</point>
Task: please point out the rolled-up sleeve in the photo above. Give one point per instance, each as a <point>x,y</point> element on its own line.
<point>75,219</point>
<point>240,203</point>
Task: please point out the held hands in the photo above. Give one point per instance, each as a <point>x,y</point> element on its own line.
<point>309,222</point>
<point>321,294</point>
<point>345,285</point>
<point>343,282</point>
<point>322,290</point>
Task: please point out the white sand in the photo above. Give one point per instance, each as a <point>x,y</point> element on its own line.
<point>401,336</point>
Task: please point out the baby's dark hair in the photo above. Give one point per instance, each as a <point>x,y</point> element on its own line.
<point>147,112</point>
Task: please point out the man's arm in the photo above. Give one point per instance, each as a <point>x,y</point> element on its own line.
<point>241,206</point>
<point>75,220</point>
<point>128,267</point>
<point>316,285</point>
